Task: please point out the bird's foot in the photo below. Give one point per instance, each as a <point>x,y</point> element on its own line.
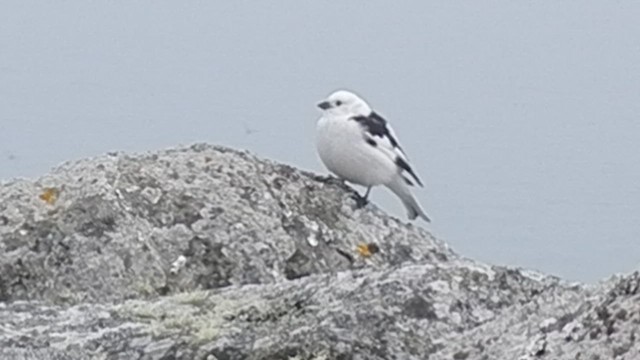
<point>361,201</point>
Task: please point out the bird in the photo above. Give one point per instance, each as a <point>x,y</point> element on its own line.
<point>358,145</point>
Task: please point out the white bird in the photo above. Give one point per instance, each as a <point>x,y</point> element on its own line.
<point>359,146</point>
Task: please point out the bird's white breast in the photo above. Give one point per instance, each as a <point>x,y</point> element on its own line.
<point>343,150</point>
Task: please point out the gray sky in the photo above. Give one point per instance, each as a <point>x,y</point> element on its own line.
<point>522,117</point>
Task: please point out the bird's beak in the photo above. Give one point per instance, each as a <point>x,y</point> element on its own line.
<point>324,105</point>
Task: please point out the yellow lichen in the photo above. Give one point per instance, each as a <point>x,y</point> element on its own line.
<point>50,195</point>
<point>367,250</point>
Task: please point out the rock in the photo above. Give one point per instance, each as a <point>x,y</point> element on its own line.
<point>211,253</point>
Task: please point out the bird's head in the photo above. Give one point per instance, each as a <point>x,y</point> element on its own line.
<point>343,102</point>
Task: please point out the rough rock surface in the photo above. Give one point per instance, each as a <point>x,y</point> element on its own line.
<point>211,253</point>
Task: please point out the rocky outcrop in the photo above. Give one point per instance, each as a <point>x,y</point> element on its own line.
<point>211,253</point>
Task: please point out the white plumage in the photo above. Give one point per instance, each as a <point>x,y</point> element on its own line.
<point>358,145</point>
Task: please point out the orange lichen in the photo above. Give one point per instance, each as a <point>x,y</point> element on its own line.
<point>50,195</point>
<point>367,250</point>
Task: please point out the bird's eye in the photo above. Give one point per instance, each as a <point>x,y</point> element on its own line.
<point>338,103</point>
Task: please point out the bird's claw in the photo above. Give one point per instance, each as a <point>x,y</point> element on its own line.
<point>360,200</point>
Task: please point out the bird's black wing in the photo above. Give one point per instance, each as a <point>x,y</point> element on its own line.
<point>380,134</point>
<point>376,125</point>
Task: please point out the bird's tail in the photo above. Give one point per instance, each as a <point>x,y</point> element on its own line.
<point>402,190</point>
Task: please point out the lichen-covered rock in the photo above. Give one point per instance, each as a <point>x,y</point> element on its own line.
<point>119,222</point>
<point>210,253</point>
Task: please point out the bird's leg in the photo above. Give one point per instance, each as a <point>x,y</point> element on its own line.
<point>361,201</point>
<point>366,194</point>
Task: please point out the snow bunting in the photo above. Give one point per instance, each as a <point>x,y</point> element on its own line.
<point>358,145</point>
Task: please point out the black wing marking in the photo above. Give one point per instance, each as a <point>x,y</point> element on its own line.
<point>376,125</point>
<point>405,166</point>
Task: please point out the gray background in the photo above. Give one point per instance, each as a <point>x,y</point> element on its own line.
<point>522,118</point>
